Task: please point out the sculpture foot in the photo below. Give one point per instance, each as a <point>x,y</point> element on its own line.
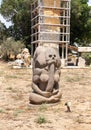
<point>38,99</point>
<point>53,100</point>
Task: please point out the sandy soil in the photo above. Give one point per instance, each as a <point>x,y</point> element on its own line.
<point>17,114</point>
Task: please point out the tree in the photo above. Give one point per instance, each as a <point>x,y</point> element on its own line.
<point>80,22</point>
<point>3,32</point>
<point>18,11</point>
<point>10,47</point>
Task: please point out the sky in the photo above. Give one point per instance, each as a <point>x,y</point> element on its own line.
<point>89,2</point>
<point>9,23</point>
<point>3,20</point>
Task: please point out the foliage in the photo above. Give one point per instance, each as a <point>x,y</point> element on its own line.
<point>18,11</point>
<point>3,32</point>
<point>10,48</point>
<point>87,57</point>
<point>41,120</point>
<point>43,107</point>
<point>80,22</point>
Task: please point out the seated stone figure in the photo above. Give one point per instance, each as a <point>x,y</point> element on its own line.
<point>46,75</point>
<point>26,58</point>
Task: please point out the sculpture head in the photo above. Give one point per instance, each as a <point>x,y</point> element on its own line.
<point>46,55</point>
<point>51,55</point>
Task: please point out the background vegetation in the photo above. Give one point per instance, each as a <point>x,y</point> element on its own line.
<point>80,22</point>
<point>18,12</point>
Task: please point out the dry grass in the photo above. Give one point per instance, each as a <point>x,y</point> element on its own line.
<point>16,114</point>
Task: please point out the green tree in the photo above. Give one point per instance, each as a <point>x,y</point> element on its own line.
<point>80,22</point>
<point>3,32</point>
<point>18,11</point>
<point>10,47</point>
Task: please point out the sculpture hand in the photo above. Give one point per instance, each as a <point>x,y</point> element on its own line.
<point>46,94</point>
<point>55,91</point>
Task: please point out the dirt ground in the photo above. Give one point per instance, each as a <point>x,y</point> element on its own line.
<point>17,114</point>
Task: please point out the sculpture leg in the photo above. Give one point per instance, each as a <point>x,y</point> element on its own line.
<point>37,99</point>
<point>58,95</point>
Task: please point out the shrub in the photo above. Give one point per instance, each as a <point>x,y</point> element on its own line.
<point>87,57</point>
<point>10,48</point>
<point>41,120</point>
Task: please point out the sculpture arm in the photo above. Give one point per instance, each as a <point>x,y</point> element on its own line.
<point>39,91</point>
<point>37,71</point>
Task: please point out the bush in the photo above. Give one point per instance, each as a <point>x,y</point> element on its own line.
<point>41,120</point>
<point>10,48</point>
<point>87,57</point>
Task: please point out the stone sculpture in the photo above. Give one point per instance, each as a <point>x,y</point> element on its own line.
<point>46,75</point>
<point>23,59</point>
<point>26,57</point>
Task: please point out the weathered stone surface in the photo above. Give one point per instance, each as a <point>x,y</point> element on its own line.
<point>46,74</point>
